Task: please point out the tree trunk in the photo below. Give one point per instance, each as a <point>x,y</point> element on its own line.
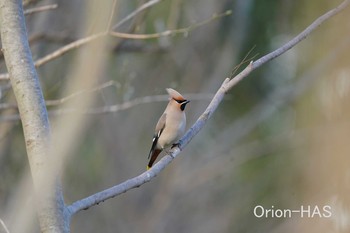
<point>36,127</point>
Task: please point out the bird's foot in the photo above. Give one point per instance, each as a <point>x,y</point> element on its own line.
<point>178,144</point>
<point>169,152</point>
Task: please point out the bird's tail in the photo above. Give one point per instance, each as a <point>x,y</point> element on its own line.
<point>153,156</point>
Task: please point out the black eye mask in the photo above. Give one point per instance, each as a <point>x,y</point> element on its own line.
<point>180,101</point>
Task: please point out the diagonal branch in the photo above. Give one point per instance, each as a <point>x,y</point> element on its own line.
<point>136,12</point>
<point>301,36</point>
<point>227,85</point>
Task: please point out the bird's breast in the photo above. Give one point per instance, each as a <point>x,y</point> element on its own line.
<point>174,128</point>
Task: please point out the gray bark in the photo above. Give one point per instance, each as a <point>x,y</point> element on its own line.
<point>33,113</point>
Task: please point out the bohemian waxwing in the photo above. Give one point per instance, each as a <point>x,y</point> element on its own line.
<point>170,127</point>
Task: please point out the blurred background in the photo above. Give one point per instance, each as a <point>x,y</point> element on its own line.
<point>280,138</point>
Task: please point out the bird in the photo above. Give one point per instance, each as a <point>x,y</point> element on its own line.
<point>170,127</point>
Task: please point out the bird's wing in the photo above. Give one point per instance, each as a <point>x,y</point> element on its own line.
<point>160,125</point>
<point>158,131</point>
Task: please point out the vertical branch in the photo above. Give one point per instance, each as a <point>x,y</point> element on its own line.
<point>31,105</point>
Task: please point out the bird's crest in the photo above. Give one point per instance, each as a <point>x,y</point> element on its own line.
<point>174,94</point>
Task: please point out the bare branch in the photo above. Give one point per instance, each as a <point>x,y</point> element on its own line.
<point>78,93</point>
<point>184,31</point>
<point>99,110</point>
<point>136,12</point>
<point>290,44</point>
<point>88,39</point>
<point>199,124</point>
<point>80,42</point>
<point>105,109</point>
<point>61,51</point>
<point>111,15</point>
<point>142,100</point>
<point>40,9</point>
<point>280,97</point>
<point>67,48</point>
<point>301,36</point>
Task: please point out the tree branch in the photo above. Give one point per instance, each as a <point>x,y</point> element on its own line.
<point>111,15</point>
<point>136,12</point>
<point>98,110</point>
<point>228,84</point>
<point>76,44</point>
<point>301,36</point>
<point>59,52</point>
<point>40,9</point>
<point>184,31</point>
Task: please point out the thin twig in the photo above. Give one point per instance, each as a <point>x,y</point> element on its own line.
<point>244,61</point>
<point>184,31</point>
<point>143,100</point>
<point>83,41</point>
<point>280,97</point>
<point>290,44</point>
<point>50,103</point>
<point>136,12</point>
<point>120,107</point>
<point>111,108</point>
<point>301,36</point>
<point>99,110</point>
<point>199,124</point>
<point>111,15</point>
<point>59,52</point>
<point>67,48</point>
<point>76,44</point>
<point>110,83</point>
<point>40,9</point>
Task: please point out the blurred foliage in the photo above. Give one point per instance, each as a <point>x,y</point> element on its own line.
<point>224,172</point>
